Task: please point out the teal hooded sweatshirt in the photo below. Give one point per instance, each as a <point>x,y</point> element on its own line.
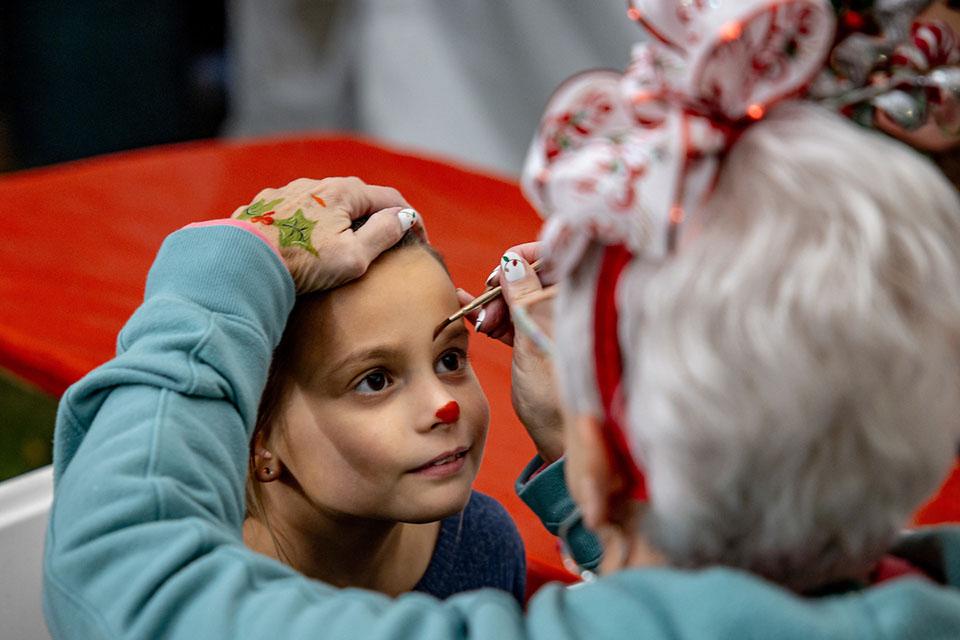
<point>150,460</point>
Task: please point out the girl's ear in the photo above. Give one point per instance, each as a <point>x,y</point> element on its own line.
<point>267,467</point>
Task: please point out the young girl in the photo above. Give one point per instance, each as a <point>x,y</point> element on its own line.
<point>369,436</point>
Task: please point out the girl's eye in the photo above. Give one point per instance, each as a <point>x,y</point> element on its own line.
<point>373,382</point>
<point>451,361</point>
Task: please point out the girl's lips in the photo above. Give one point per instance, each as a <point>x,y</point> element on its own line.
<point>446,464</point>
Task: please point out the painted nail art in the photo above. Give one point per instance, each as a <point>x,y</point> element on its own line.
<point>513,268</point>
<point>408,218</point>
<point>480,317</point>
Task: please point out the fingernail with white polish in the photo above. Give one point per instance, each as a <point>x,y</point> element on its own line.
<point>493,277</point>
<point>513,267</point>
<point>408,218</point>
<point>480,317</point>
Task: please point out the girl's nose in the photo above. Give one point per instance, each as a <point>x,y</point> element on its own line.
<point>449,412</point>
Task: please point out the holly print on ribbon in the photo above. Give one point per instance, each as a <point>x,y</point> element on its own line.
<point>295,231</point>
<point>260,212</point>
<point>568,129</point>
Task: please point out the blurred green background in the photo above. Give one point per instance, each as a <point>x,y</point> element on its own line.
<point>84,78</point>
<point>26,423</point>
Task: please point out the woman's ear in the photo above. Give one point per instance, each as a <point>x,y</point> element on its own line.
<point>600,492</point>
<point>594,486</point>
<point>266,466</point>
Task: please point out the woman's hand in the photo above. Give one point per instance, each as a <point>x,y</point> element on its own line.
<point>534,389</point>
<point>308,222</point>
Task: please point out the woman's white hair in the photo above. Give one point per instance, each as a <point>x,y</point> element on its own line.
<point>793,373</point>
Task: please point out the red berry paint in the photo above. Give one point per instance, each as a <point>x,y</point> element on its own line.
<point>449,412</point>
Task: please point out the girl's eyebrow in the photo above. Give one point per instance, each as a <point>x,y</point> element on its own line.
<point>453,331</point>
<point>361,356</point>
<point>388,353</point>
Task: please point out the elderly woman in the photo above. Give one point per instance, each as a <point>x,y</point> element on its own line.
<point>757,338</point>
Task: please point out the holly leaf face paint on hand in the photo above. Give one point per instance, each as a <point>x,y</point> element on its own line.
<point>295,231</point>
<point>298,219</point>
<point>259,208</point>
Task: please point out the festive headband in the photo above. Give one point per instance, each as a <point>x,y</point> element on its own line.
<point>625,160</point>
<point>889,69</point>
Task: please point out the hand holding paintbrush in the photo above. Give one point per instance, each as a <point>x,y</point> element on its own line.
<point>528,329</point>
<point>485,297</point>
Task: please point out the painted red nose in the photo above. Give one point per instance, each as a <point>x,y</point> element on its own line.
<point>449,412</point>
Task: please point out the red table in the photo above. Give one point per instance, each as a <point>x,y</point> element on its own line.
<point>77,240</point>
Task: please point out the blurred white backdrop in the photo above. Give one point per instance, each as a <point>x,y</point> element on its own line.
<point>465,79</point>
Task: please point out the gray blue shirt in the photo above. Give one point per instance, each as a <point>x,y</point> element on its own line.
<point>476,548</point>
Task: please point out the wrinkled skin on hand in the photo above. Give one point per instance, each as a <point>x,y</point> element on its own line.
<point>308,223</point>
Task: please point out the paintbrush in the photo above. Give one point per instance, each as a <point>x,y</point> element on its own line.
<point>479,301</point>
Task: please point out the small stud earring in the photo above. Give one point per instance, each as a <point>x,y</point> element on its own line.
<point>268,471</point>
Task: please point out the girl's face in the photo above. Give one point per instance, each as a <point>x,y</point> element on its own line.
<point>369,411</point>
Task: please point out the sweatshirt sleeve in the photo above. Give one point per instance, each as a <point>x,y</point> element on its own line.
<point>150,453</point>
<point>543,488</point>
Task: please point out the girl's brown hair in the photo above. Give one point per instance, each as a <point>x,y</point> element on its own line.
<point>278,383</point>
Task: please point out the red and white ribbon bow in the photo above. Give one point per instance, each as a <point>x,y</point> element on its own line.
<point>625,158</point>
